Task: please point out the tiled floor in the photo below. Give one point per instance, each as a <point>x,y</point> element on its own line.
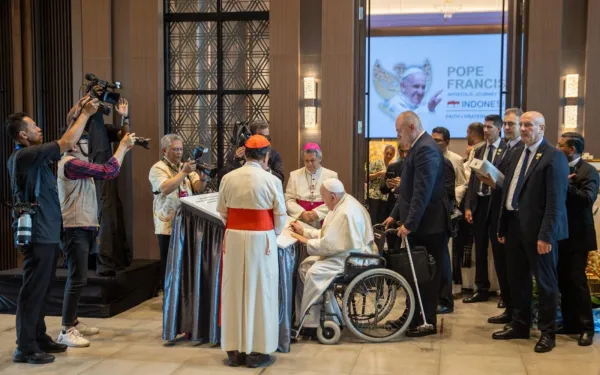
<point>131,344</point>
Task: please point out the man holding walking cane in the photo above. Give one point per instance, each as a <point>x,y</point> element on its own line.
<point>422,211</point>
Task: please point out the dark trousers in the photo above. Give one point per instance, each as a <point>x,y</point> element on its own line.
<point>78,243</point>
<point>435,244</point>
<point>446,295</point>
<point>461,244</point>
<point>576,305</point>
<point>39,267</point>
<point>163,245</point>
<point>114,253</point>
<point>378,210</point>
<point>500,263</point>
<point>482,239</point>
<point>523,260</point>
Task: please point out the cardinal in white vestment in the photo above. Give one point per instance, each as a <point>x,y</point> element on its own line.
<point>302,194</point>
<point>346,229</point>
<point>252,206</point>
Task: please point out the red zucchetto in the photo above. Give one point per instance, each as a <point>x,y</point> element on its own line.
<point>257,141</point>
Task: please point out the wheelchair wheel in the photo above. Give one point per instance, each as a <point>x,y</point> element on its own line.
<point>329,334</point>
<point>378,305</point>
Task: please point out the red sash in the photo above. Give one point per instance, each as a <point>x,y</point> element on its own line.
<point>245,219</point>
<point>308,205</point>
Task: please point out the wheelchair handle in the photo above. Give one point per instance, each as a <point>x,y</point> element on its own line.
<point>382,227</point>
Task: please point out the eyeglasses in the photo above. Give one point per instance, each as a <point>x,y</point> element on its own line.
<point>179,149</point>
<point>510,124</point>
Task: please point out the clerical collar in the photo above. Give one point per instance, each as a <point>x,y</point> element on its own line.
<point>312,174</point>
<point>253,163</point>
<point>574,162</point>
<point>415,141</point>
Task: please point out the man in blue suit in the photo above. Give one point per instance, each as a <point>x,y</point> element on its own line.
<point>422,210</point>
<point>533,219</point>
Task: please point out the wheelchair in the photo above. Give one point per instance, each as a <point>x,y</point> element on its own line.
<point>374,303</point>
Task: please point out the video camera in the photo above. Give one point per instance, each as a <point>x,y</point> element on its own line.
<point>241,133</point>
<point>100,89</point>
<point>201,166</point>
<point>144,142</point>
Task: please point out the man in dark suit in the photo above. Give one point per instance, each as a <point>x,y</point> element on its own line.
<point>514,145</point>
<point>446,298</point>
<point>576,305</point>
<point>478,210</point>
<point>422,208</point>
<point>533,219</point>
<point>391,188</point>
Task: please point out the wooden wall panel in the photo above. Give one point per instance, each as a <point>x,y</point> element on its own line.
<point>125,45</point>
<point>146,71</point>
<point>543,62</point>
<point>96,39</point>
<point>121,68</point>
<point>8,256</point>
<point>310,63</point>
<point>592,81</point>
<point>284,97</point>
<point>338,72</point>
<point>76,47</point>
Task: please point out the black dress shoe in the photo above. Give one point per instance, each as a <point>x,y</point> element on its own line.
<point>510,333</point>
<point>415,332</point>
<point>545,343</point>
<point>109,273</point>
<point>50,346</point>
<point>32,358</point>
<point>235,358</point>
<point>444,310</point>
<point>585,339</point>
<point>501,304</point>
<point>255,360</point>
<point>503,318</point>
<point>479,296</point>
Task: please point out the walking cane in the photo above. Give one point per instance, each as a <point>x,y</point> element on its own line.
<point>426,326</point>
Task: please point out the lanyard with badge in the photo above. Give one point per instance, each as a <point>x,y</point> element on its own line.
<point>180,193</point>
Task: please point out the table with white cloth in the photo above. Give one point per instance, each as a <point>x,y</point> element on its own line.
<point>193,275</point>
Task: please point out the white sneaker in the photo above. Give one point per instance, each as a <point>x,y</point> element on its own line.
<point>86,330</point>
<point>72,338</point>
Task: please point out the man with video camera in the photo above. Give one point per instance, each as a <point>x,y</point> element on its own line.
<point>34,186</point>
<point>112,252</point>
<point>171,180</point>
<point>235,158</point>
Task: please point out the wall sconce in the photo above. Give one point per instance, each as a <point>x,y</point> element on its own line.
<point>310,103</point>
<point>571,91</point>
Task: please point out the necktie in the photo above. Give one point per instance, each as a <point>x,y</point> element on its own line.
<point>485,190</point>
<point>521,180</point>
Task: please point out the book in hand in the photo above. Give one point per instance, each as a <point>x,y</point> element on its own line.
<point>485,168</point>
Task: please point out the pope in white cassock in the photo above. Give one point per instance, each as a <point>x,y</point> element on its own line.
<point>413,86</point>
<point>346,229</point>
<point>302,194</point>
<point>252,206</point>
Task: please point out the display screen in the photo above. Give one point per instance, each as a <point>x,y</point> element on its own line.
<point>448,80</point>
